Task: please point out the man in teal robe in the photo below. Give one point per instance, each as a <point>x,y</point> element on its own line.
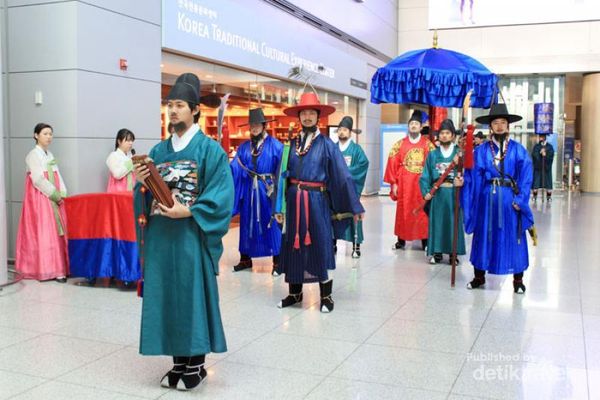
<point>441,209</point>
<point>358,164</point>
<point>181,245</point>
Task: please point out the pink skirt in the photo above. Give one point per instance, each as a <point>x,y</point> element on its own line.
<point>119,185</point>
<point>42,253</point>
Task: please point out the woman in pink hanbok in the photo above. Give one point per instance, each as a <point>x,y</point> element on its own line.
<point>42,238</point>
<point>121,177</point>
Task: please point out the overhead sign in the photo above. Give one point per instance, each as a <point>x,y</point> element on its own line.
<point>257,36</point>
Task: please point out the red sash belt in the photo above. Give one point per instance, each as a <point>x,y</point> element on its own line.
<point>302,192</point>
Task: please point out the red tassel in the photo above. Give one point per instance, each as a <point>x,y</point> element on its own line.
<point>297,241</point>
<point>307,239</point>
<point>469,161</point>
<point>140,288</point>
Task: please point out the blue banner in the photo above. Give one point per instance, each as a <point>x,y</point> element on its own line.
<point>543,118</point>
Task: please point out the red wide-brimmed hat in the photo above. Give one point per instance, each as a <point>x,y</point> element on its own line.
<point>309,101</point>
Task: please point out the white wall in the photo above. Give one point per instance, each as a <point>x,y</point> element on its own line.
<point>542,48</point>
<point>70,51</point>
<point>373,22</point>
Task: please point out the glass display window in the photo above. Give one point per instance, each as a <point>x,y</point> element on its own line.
<point>247,90</point>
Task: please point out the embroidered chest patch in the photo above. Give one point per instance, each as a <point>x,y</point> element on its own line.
<point>414,160</point>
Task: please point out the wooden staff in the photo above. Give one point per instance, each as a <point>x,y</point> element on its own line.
<point>543,171</point>
<point>459,170</point>
<point>468,156</point>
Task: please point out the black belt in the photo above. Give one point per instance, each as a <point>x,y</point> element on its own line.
<point>310,188</point>
<point>181,185</point>
<point>501,182</point>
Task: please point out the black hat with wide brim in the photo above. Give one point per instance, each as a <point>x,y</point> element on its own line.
<point>257,116</point>
<point>498,111</point>
<point>348,122</point>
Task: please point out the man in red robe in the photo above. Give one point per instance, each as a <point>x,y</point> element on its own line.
<point>403,170</point>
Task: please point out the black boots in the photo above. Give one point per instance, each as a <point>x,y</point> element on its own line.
<point>326,300</point>
<point>194,373</point>
<point>275,270</point>
<point>245,263</point>
<point>400,244</point>
<point>294,297</point>
<point>518,286</point>
<point>478,281</point>
<point>436,258</point>
<point>186,374</point>
<point>172,377</point>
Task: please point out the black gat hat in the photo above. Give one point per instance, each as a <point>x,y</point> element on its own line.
<point>498,111</point>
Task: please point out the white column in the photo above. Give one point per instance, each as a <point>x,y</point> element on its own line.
<point>590,134</point>
<point>4,224</point>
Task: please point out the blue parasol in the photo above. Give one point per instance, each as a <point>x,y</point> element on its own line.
<point>436,77</point>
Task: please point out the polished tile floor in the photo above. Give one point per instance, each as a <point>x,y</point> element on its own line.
<point>398,330</point>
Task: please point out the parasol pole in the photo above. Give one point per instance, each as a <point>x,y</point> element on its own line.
<point>459,170</point>
<point>543,175</point>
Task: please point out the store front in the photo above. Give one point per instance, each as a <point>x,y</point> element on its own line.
<point>248,90</point>
<point>254,62</point>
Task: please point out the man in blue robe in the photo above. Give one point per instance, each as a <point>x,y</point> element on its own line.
<point>181,245</point>
<point>358,165</point>
<point>495,199</point>
<point>254,170</point>
<point>319,186</point>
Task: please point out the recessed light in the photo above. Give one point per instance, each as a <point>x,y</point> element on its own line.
<point>208,76</point>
